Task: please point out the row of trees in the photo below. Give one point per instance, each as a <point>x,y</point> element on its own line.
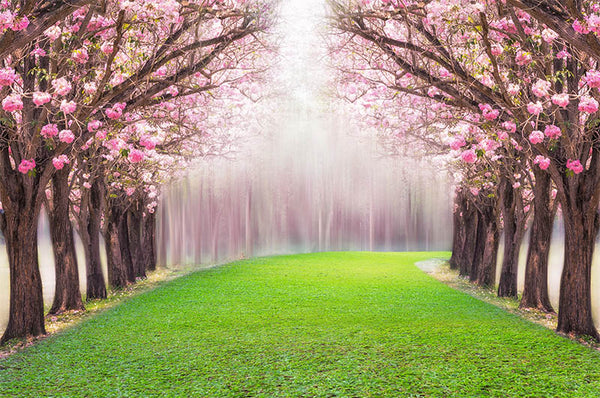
<point>508,93</point>
<point>101,103</point>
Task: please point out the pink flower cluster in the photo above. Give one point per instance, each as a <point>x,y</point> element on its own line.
<point>575,166</point>
<point>7,76</point>
<point>81,55</point>
<point>150,143</point>
<point>49,131</point>
<point>488,112</point>
<point>135,156</point>
<point>469,156</point>
<point>68,107</point>
<point>26,165</point>
<point>592,78</point>
<point>536,137</point>
<point>62,86</point>
<point>561,100</point>
<point>60,161</point>
<point>588,104</point>
<point>41,98</point>
<point>535,108</point>
<point>12,103</point>
<point>66,136</point>
<point>542,161</point>
<point>553,132</point>
<point>540,88</point>
<point>116,111</point>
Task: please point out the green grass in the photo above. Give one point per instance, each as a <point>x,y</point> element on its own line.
<point>318,325</point>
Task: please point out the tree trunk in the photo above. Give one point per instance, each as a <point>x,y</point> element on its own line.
<point>480,244</point>
<point>535,290</point>
<point>96,287</point>
<point>26,314</point>
<point>149,240</point>
<point>471,221</point>
<point>117,274</point>
<point>123,235</point>
<point>486,272</point>
<point>514,230</point>
<point>67,294</point>
<point>575,304</point>
<point>459,230</point>
<point>134,231</point>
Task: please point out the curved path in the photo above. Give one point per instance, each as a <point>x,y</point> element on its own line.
<point>318,325</point>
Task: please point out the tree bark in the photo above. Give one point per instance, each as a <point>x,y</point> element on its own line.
<point>134,233</point>
<point>67,294</point>
<point>514,230</point>
<point>486,272</point>
<point>471,221</point>
<point>26,314</point>
<point>575,304</point>
<point>480,244</point>
<point>535,290</point>
<point>96,287</point>
<point>149,240</point>
<point>459,230</point>
<point>117,274</point>
<point>123,236</point>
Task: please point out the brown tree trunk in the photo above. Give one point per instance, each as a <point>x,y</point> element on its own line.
<point>486,272</point>
<point>480,244</point>
<point>575,304</point>
<point>67,294</point>
<point>117,274</point>
<point>134,231</point>
<point>123,235</point>
<point>471,224</point>
<point>459,230</point>
<point>26,314</point>
<point>96,287</point>
<point>514,230</point>
<point>535,290</point>
<point>149,240</point>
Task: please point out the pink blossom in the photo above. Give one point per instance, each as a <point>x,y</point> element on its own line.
<point>12,103</point>
<point>488,112</point>
<point>68,106</point>
<point>22,24</point>
<point>588,104</point>
<point>62,86</point>
<point>561,100</point>
<point>513,89</point>
<point>548,35</point>
<point>66,136</point>
<point>53,33</point>
<point>136,156</point>
<point>553,132</point>
<point>60,161</point>
<point>40,98</point>
<point>40,52</point>
<point>90,88</point>
<point>87,185</point>
<point>523,58</point>
<point>469,156</point>
<point>535,108</point>
<point>458,143</point>
<point>516,185</point>
<point>116,111</point>
<point>7,76</point>
<point>580,28</point>
<point>81,55</point>
<point>536,137</point>
<point>510,126</point>
<point>563,54</point>
<point>150,143</point>
<point>94,125</point>
<point>575,166</point>
<point>107,48</point>
<point>592,78</point>
<point>542,162</point>
<point>49,131</point>
<point>26,165</point>
<point>474,191</point>
<point>101,134</point>
<point>540,88</point>
<point>129,191</point>
<point>497,49</point>
<point>502,135</point>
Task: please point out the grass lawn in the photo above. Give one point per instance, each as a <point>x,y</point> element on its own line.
<point>317,325</point>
